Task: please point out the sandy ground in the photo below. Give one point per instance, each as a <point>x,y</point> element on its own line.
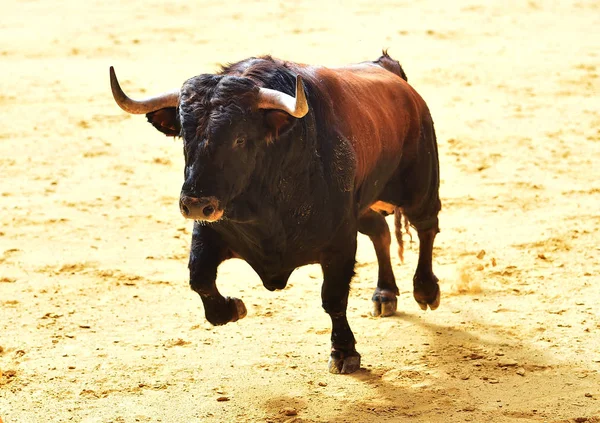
<point>97,323</point>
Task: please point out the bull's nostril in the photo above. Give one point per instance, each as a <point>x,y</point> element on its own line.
<point>185,210</point>
<point>208,211</point>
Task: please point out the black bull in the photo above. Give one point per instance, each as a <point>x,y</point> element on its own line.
<point>285,162</point>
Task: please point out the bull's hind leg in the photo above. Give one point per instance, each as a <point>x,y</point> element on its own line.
<point>421,207</point>
<point>425,284</point>
<point>384,299</point>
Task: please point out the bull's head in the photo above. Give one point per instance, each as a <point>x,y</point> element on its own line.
<point>226,123</point>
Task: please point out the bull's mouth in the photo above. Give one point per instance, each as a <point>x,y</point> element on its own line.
<point>205,209</point>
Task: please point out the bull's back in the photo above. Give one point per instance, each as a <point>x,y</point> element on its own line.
<point>377,111</point>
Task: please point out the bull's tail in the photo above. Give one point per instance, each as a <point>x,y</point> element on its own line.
<point>386,62</point>
<point>400,223</point>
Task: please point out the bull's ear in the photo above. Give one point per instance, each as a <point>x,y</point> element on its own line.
<point>166,121</point>
<point>278,122</point>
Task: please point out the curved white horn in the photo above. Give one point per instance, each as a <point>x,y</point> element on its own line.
<point>138,107</point>
<point>273,99</point>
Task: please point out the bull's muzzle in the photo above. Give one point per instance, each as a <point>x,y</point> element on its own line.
<point>204,208</point>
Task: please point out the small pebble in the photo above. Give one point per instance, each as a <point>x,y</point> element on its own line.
<point>507,362</point>
<point>521,371</point>
<point>494,381</point>
<point>588,395</point>
<point>481,254</point>
<point>221,399</point>
<point>322,384</point>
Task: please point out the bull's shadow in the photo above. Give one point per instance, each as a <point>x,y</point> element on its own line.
<point>440,382</point>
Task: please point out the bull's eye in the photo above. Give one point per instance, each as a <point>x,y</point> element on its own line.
<point>239,142</point>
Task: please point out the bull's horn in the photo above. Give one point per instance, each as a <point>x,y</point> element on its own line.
<point>273,99</point>
<point>139,107</point>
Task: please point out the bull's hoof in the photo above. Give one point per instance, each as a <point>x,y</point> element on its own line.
<point>224,311</point>
<point>385,303</point>
<point>427,292</point>
<point>238,309</point>
<point>344,363</point>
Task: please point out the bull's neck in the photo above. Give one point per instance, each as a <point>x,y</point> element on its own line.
<point>284,174</point>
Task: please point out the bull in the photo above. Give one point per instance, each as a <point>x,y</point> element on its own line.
<point>286,162</point>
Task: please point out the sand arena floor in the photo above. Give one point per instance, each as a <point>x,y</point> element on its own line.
<point>97,323</point>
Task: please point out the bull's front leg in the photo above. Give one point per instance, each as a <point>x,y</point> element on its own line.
<point>338,269</point>
<point>207,252</point>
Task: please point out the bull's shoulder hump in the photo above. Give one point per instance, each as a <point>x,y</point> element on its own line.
<point>363,74</point>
